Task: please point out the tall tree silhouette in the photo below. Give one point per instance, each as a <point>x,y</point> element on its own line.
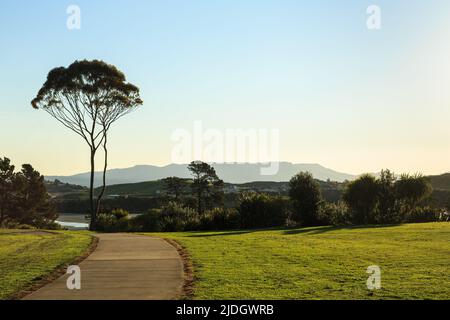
<point>206,185</point>
<point>88,97</point>
<point>7,187</point>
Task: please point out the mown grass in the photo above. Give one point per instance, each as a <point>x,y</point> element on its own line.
<point>29,256</point>
<point>321,263</point>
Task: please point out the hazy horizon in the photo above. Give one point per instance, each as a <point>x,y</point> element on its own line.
<point>342,96</point>
<point>268,177</point>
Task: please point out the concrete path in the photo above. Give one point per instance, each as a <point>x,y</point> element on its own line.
<point>123,267</point>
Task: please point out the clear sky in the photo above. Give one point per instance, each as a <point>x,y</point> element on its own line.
<point>341,95</point>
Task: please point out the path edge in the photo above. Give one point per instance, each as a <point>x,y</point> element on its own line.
<point>56,273</point>
<point>188,270</point>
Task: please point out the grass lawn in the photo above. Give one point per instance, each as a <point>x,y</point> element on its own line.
<point>321,263</point>
<point>25,257</point>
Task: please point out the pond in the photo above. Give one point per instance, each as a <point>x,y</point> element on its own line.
<point>76,221</point>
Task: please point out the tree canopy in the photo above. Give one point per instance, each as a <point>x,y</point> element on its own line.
<point>206,185</point>
<point>87,97</point>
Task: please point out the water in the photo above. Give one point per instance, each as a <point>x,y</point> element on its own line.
<point>73,225</point>
<point>74,221</point>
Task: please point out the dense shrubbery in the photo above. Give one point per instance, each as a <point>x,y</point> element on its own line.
<point>255,211</point>
<point>388,200</point>
<point>220,219</point>
<point>426,214</point>
<point>117,220</point>
<point>258,210</point>
<point>336,214</point>
<point>173,218</point>
<point>147,222</point>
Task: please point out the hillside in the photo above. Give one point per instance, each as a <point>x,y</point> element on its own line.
<point>140,189</point>
<point>154,188</point>
<point>441,182</point>
<point>57,187</point>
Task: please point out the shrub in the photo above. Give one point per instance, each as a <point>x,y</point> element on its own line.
<point>258,210</point>
<point>147,222</point>
<point>305,194</point>
<point>361,196</point>
<point>390,208</point>
<point>175,218</point>
<point>114,221</point>
<point>11,224</point>
<point>336,214</point>
<point>413,189</point>
<point>220,219</point>
<point>120,213</point>
<point>425,214</point>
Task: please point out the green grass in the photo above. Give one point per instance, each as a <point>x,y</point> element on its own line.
<point>26,257</point>
<point>321,263</point>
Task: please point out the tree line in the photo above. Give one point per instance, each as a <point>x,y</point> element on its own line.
<point>197,204</point>
<point>367,200</point>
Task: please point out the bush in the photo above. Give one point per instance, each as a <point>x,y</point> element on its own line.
<point>114,221</point>
<point>261,210</point>
<point>147,222</point>
<point>336,214</point>
<point>425,214</point>
<point>220,219</point>
<point>11,224</point>
<point>176,218</point>
<point>361,196</point>
<point>390,208</point>
<point>120,214</point>
<point>305,194</point>
<point>413,189</point>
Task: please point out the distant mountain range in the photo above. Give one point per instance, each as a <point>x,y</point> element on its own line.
<point>231,173</point>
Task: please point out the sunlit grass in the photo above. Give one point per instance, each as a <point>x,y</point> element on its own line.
<point>321,263</point>
<point>26,257</point>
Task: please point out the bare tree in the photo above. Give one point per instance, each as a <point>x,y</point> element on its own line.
<point>88,97</point>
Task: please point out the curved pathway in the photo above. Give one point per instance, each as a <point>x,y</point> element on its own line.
<point>123,267</point>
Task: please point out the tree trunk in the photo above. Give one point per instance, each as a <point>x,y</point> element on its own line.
<point>105,166</point>
<point>91,192</point>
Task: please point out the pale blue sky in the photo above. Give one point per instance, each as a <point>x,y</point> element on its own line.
<point>343,96</point>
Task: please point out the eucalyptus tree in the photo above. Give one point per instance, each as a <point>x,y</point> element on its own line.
<point>88,97</point>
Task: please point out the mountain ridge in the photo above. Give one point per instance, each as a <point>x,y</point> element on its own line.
<point>229,172</point>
